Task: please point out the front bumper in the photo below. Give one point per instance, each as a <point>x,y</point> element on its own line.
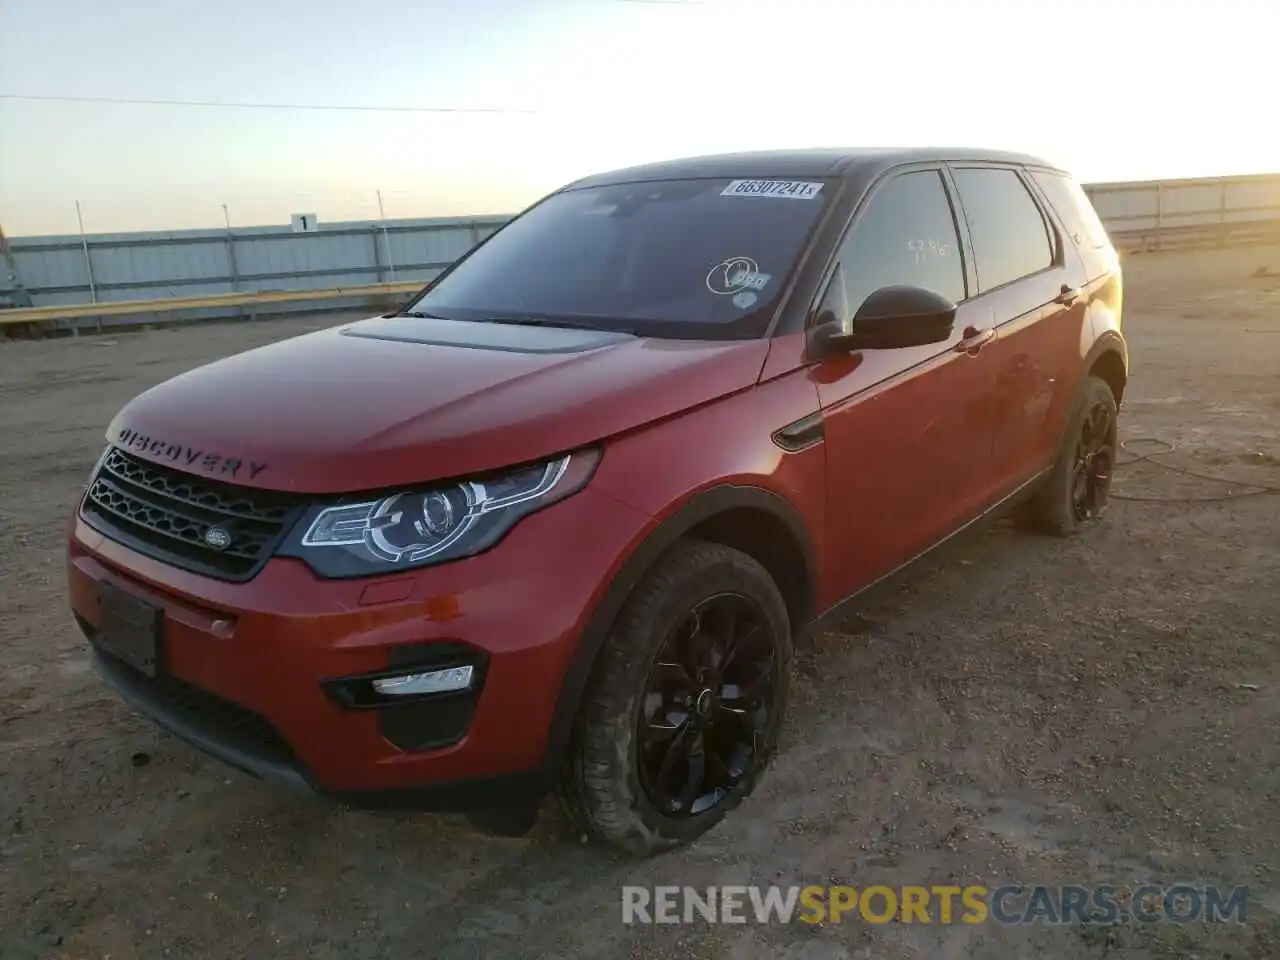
<point>220,728</point>
<point>245,664</point>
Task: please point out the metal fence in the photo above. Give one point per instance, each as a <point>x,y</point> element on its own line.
<point>100,268</point>
<point>1157,214</point>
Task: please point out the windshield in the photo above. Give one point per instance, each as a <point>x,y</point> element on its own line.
<point>669,258</point>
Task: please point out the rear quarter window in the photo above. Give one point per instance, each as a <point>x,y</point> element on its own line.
<point>1072,204</point>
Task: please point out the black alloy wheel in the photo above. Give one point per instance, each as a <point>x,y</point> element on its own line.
<point>1094,462</point>
<point>707,705</point>
<point>1073,496</point>
<point>686,699</point>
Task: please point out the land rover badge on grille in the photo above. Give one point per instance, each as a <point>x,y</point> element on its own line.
<point>218,538</point>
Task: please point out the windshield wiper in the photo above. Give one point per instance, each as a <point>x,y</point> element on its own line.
<point>527,321</point>
<point>421,313</point>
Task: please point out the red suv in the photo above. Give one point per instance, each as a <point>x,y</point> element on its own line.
<point>558,523</point>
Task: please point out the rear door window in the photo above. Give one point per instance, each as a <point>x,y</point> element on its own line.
<point>1010,236</point>
<point>906,235</point>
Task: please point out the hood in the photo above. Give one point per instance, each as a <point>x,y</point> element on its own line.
<point>402,400</point>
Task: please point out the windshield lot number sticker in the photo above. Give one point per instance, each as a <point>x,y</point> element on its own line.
<point>783,189</point>
<point>735,275</point>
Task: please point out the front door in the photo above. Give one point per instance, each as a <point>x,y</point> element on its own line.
<point>908,431</point>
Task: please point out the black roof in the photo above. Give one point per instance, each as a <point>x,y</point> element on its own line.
<point>783,164</point>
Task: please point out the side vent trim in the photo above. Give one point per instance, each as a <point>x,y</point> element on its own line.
<point>802,434</point>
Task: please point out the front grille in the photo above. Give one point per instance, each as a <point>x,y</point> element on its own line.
<point>164,513</point>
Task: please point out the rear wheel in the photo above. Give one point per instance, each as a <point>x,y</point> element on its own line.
<point>684,705</point>
<point>1076,493</point>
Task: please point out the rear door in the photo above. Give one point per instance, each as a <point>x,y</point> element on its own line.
<point>1103,288</point>
<point>1031,282</point>
<point>908,430</point>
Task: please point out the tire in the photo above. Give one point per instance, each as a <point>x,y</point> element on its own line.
<point>1057,508</point>
<point>608,784</point>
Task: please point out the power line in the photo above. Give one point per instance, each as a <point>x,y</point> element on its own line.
<point>260,106</point>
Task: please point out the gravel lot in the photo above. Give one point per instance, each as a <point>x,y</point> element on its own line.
<point>1101,710</point>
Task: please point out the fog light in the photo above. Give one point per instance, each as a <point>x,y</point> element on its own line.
<point>417,684</point>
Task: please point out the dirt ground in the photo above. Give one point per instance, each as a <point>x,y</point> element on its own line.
<point>1101,710</point>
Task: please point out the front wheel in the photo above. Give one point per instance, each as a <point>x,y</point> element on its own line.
<point>684,706</point>
<point>1076,492</point>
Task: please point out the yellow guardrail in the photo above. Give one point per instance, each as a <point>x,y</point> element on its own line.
<point>172,304</point>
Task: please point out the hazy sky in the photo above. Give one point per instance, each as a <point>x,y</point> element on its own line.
<point>1113,89</point>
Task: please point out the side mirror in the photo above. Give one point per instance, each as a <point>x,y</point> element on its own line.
<point>890,319</point>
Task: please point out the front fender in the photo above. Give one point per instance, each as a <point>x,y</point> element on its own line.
<point>701,507</point>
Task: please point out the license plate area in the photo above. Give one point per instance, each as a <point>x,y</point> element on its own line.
<point>130,629</point>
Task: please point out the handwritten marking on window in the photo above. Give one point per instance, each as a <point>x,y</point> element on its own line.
<point>922,249</point>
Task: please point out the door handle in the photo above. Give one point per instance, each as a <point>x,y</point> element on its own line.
<point>1067,296</point>
<point>974,340</point>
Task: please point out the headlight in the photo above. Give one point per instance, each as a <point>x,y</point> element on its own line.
<point>414,528</point>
